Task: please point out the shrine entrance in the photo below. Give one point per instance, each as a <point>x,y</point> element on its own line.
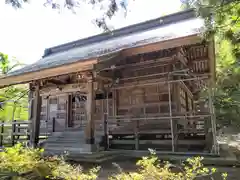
<point>78,117</point>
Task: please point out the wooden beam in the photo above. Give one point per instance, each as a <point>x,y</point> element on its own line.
<point>104,76</point>
<point>57,82</point>
<point>68,88</point>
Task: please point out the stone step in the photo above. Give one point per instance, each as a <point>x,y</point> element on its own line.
<point>64,141</point>
<point>64,146</point>
<point>96,157</point>
<point>64,150</point>
<point>66,138</point>
<point>71,141</point>
<point>71,138</point>
<point>74,138</point>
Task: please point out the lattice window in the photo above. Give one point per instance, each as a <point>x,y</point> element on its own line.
<point>43,117</point>
<point>183,109</point>
<point>164,97</point>
<point>152,109</point>
<point>62,106</point>
<point>53,101</point>
<point>122,111</point>
<point>164,108</point>
<point>44,109</point>
<point>190,104</point>
<point>61,115</point>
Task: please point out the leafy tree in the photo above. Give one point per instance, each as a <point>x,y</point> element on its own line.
<point>222,20</point>
<point>107,7</point>
<point>13,99</point>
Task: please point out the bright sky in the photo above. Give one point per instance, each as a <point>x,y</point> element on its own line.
<point>25,33</point>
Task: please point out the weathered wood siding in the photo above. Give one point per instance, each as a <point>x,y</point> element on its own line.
<point>144,100</point>
<point>185,106</point>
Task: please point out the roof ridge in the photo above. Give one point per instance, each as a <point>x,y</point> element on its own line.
<point>135,28</point>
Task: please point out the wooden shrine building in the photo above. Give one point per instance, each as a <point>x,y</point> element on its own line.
<point>136,88</point>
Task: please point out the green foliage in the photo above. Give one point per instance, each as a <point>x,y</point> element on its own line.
<point>222,20</point>
<point>13,99</point>
<point>107,7</point>
<point>227,93</point>
<point>27,163</point>
<point>151,168</point>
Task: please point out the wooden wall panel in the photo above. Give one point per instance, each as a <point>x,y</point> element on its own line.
<point>185,104</point>
<point>150,99</point>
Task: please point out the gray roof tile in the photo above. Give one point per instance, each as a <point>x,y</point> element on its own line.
<point>98,49</point>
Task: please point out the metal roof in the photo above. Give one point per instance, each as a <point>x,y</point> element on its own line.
<point>96,49</point>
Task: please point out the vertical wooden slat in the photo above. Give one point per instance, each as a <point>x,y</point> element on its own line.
<point>106,139</point>
<point>47,117</point>
<point>136,135</point>
<point>114,101</point>
<point>18,130</point>
<point>1,131</point>
<point>69,112</point>
<point>53,124</point>
<point>13,132</point>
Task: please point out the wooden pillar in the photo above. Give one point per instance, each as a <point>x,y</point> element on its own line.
<point>89,130</point>
<point>212,80</point>
<point>36,111</point>
<point>213,119</point>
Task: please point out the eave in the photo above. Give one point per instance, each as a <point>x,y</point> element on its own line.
<point>91,64</point>
<point>46,73</point>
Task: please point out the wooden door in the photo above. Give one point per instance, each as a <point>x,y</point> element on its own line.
<point>79,118</point>
<point>61,119</point>
<point>58,112</point>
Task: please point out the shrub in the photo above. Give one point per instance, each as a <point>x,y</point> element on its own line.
<point>150,168</point>
<point>27,163</point>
